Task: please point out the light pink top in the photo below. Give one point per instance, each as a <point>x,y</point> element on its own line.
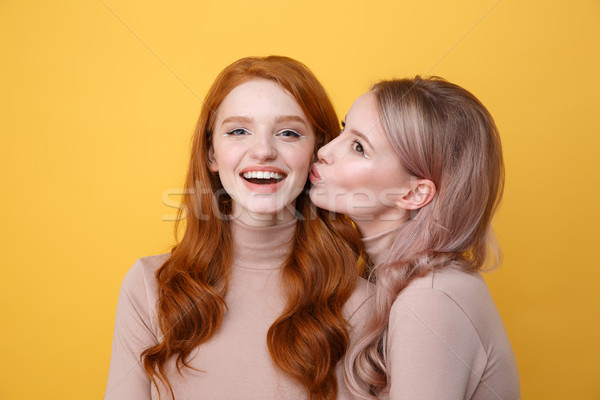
<point>445,338</point>
<point>235,363</point>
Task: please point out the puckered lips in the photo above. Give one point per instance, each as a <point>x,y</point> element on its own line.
<point>314,175</point>
<point>263,178</point>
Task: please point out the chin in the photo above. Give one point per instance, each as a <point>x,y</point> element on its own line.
<point>266,210</point>
<point>319,200</point>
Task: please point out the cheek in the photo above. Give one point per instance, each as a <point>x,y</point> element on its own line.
<point>227,157</point>
<point>350,177</point>
<point>300,159</point>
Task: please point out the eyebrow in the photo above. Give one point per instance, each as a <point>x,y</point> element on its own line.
<point>279,119</point>
<point>236,119</point>
<point>287,118</point>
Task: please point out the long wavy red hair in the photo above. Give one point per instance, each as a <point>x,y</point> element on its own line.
<point>310,336</point>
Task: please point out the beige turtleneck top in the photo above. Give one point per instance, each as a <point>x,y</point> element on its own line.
<point>235,362</point>
<point>445,338</point>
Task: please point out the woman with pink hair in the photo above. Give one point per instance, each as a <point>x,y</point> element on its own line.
<point>418,168</point>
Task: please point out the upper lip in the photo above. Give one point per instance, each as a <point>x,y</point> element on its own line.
<point>314,170</point>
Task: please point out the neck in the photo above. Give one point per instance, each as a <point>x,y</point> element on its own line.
<point>378,244</point>
<point>261,247</point>
<point>256,219</point>
<point>375,226</point>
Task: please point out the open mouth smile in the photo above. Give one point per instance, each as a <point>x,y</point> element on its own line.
<point>263,177</point>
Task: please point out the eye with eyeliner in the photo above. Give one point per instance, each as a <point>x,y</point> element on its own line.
<point>358,148</point>
<point>289,133</point>
<point>237,132</point>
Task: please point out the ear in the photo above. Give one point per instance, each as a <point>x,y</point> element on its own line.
<point>421,193</point>
<point>213,166</point>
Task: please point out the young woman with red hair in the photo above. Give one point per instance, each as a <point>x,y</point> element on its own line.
<point>260,296</point>
<point>419,169</point>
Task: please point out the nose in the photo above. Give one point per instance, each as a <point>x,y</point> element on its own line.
<point>326,153</point>
<point>262,147</point>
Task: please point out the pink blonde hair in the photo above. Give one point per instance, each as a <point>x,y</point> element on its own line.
<point>440,132</point>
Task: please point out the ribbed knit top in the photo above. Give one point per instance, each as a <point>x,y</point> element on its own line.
<point>235,362</point>
<point>445,337</point>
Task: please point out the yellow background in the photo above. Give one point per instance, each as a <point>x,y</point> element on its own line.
<point>98,101</point>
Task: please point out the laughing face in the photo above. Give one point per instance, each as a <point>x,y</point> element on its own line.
<point>262,147</point>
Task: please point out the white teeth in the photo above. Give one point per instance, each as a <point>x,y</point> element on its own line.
<point>262,175</point>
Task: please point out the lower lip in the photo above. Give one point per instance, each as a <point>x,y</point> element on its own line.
<point>270,188</point>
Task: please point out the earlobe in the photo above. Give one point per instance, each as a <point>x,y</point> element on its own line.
<point>421,194</point>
